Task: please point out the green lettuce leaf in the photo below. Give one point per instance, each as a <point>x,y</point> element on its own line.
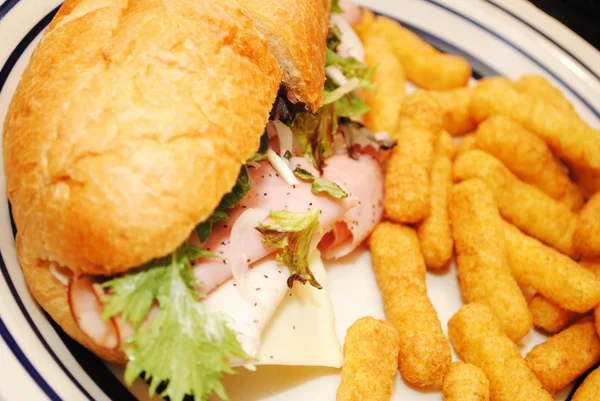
<point>241,188</point>
<point>313,134</point>
<point>320,184</point>
<point>350,106</point>
<point>264,142</point>
<point>183,346</point>
<point>204,229</point>
<point>332,58</point>
<point>341,91</point>
<point>335,7</point>
<point>258,157</point>
<point>334,38</point>
<point>229,201</point>
<point>352,68</point>
<point>359,76</point>
<point>356,134</point>
<point>292,232</point>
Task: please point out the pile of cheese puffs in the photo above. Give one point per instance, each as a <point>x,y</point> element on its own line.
<point>516,200</point>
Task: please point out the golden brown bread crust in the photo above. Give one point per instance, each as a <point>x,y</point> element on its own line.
<point>297,35</point>
<point>128,126</point>
<point>52,296</point>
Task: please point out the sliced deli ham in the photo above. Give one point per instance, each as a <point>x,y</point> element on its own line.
<point>269,192</point>
<point>362,178</point>
<point>86,308</point>
<point>352,13</point>
<point>347,223</point>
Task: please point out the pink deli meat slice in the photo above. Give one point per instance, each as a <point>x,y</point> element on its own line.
<point>269,192</point>
<point>363,180</point>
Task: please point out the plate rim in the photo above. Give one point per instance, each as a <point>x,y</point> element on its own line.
<point>6,7</point>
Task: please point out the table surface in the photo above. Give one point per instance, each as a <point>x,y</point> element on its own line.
<point>581,16</point>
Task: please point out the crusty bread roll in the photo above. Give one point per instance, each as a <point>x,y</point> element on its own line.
<point>297,35</point>
<point>52,295</point>
<point>128,126</point>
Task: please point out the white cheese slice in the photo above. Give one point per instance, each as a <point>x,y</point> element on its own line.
<point>281,326</point>
<point>249,314</point>
<point>302,331</point>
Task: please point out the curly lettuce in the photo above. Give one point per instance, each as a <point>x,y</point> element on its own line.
<point>292,232</point>
<point>182,346</point>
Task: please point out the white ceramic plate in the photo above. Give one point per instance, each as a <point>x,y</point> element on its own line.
<point>509,37</point>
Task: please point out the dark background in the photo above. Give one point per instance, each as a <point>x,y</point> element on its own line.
<point>581,16</point>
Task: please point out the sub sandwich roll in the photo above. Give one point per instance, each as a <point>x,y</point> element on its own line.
<point>171,186</point>
<point>53,296</point>
<point>288,27</point>
<point>119,139</point>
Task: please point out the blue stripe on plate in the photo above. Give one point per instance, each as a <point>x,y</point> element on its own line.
<point>22,46</point>
<point>35,329</point>
<point>518,49</point>
<point>480,69</point>
<point>22,358</point>
<point>548,38</point>
<point>6,7</point>
<point>580,380</point>
<point>94,364</point>
<point>96,369</point>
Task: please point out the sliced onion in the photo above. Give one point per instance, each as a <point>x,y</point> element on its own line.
<point>61,274</point>
<point>382,135</point>
<point>338,93</point>
<point>281,167</point>
<point>238,262</point>
<point>351,45</point>
<point>335,74</point>
<point>285,136</point>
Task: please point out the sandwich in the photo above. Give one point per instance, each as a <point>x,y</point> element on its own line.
<point>177,170</point>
